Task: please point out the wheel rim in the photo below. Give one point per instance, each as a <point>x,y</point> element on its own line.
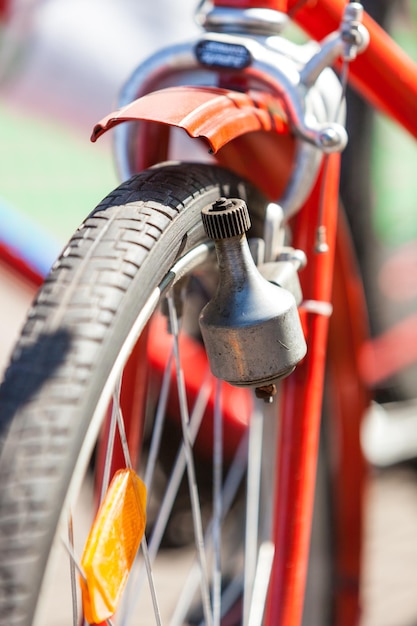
<point>216,599</point>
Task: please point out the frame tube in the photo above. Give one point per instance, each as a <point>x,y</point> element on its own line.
<point>301,413</point>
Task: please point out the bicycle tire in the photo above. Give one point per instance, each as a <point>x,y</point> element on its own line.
<point>81,320</point>
<point>74,333</point>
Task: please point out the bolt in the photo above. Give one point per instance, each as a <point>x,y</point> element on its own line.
<point>328,138</point>
<point>321,245</point>
<point>222,204</point>
<point>266,393</point>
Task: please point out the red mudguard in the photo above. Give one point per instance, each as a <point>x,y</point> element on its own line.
<point>248,132</point>
<point>217,115</point>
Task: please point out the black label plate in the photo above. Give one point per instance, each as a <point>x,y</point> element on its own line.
<point>223,54</point>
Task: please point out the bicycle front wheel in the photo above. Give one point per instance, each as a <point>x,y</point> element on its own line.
<point>101,379</point>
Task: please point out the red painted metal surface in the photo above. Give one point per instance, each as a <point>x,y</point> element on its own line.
<point>300,425</point>
<point>265,159</point>
<point>347,400</point>
<point>383,74</point>
<point>218,115</point>
<point>300,419</point>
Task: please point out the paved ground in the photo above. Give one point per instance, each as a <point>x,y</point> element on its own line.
<point>390,572</point>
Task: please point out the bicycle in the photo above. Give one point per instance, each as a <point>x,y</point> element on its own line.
<point>94,369</point>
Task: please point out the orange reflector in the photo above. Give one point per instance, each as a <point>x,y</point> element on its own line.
<point>112,545</point>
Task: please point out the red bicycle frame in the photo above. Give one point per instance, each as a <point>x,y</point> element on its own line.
<point>386,77</point>
<point>382,71</point>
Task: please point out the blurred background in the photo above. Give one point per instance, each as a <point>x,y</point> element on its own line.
<point>62,63</point>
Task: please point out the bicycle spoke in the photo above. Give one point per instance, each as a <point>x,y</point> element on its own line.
<point>157,613</point>
<point>121,425</point>
<point>109,448</point>
<point>194,497</point>
<point>137,578</point>
<point>71,553</point>
<point>230,596</point>
<point>75,566</point>
<point>179,469</point>
<point>116,421</point>
<point>133,586</point>
<point>158,425</point>
<point>73,573</point>
<point>261,583</point>
<point>252,508</point>
<point>217,504</point>
<point>231,485</point>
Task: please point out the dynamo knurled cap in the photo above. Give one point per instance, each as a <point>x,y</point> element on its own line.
<point>228,217</point>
